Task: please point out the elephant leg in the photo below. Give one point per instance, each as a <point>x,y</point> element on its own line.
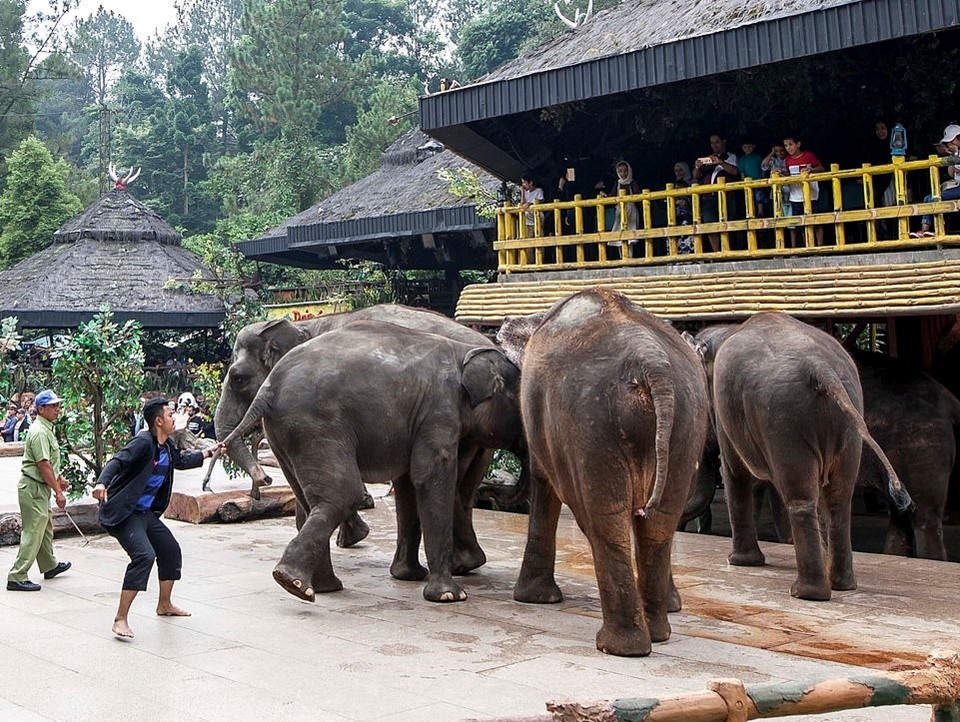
<point>300,515</point>
<point>674,600</point>
<point>800,491</point>
<point>838,498</point>
<point>406,560</point>
<point>433,470</point>
<point>624,631</point>
<point>738,483</point>
<point>536,583</point>
<point>781,520</point>
<point>305,567</point>
<point>899,538</point>
<point>654,579</point>
<point>928,533</point>
<point>467,554</point>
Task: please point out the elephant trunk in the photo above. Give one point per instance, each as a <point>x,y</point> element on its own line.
<point>226,421</point>
<point>262,403</point>
<point>664,403</point>
<point>898,494</point>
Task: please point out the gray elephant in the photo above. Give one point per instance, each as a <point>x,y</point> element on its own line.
<point>788,408</point>
<point>615,410</point>
<point>382,402</point>
<point>260,346</point>
<point>916,420</point>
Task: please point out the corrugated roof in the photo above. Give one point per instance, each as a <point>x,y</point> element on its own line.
<point>643,43</point>
<point>882,284</point>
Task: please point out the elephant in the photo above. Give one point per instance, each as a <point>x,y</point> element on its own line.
<point>615,407</point>
<point>259,346</point>
<point>382,402</point>
<point>788,409</point>
<point>917,420</point>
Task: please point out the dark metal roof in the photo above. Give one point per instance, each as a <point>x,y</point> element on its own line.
<point>525,86</point>
<point>147,319</point>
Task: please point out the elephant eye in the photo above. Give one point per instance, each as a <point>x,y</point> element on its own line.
<point>238,379</point>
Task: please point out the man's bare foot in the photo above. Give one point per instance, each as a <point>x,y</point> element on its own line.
<point>172,611</point>
<point>122,629</point>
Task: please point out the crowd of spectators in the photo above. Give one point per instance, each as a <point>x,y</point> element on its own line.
<point>789,156</point>
<point>21,412</point>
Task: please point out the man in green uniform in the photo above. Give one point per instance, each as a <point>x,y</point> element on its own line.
<point>40,474</point>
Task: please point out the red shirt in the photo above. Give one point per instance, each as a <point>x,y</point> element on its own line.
<point>805,158</point>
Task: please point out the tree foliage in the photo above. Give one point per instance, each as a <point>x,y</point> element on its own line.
<point>103,44</point>
<point>99,373</point>
<point>35,202</point>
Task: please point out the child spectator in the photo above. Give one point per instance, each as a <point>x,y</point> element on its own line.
<point>775,165</point>
<point>801,162</point>
<point>751,166</point>
<point>530,193</point>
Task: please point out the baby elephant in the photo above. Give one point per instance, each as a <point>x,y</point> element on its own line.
<point>789,409</point>
<point>614,406</point>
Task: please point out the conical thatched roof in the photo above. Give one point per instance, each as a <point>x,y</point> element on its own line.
<point>117,216</point>
<point>118,253</point>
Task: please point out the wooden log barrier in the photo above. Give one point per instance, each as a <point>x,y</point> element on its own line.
<point>206,507</point>
<point>729,700</point>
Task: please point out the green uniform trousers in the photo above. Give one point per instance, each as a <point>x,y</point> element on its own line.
<point>36,539</point>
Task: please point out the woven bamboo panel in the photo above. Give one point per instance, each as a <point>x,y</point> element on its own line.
<point>879,290</point>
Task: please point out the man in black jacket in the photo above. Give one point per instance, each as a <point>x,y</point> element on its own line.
<point>134,489</point>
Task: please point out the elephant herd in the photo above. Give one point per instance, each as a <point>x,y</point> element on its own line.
<point>615,414</point>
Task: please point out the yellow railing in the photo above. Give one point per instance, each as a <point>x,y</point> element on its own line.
<point>523,244</point>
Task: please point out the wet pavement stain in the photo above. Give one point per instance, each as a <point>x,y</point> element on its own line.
<point>399,650</point>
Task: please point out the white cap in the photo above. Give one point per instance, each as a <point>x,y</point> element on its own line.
<point>950,132</point>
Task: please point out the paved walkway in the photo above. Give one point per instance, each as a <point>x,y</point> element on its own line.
<point>377,650</point>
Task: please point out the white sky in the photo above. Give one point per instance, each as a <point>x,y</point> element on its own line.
<point>147,16</point>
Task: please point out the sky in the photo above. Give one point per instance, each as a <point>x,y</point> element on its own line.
<point>146,16</point>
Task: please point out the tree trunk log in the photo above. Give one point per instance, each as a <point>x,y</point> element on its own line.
<point>246,508</point>
<point>204,508</point>
<point>83,513</point>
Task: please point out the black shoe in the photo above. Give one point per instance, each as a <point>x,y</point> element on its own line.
<point>59,569</point>
<point>26,586</point>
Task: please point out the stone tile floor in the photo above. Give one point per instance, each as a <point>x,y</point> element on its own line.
<point>378,651</point>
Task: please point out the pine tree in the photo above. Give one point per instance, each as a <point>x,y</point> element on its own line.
<point>35,202</point>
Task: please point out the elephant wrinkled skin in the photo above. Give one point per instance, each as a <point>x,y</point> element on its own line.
<point>615,410</point>
<point>383,402</point>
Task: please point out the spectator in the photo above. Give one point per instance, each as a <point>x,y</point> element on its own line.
<point>530,193</point>
<point>801,163</point>
<point>708,170</point>
<point>22,425</point>
<point>751,166</point>
<point>39,475</point>
<point>683,179</point>
<point>949,189</point>
<point>628,185</point>
<point>10,422</point>
<point>775,165</point>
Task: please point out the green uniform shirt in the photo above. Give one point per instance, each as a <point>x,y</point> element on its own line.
<point>41,444</point>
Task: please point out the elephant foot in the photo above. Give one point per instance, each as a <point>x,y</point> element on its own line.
<point>367,502</point>
<point>352,531</point>
<point>265,480</point>
<point>537,590</point>
<point>294,584</point>
<point>466,560</point>
<point>810,591</point>
<point>659,627</point>
<point>674,602</point>
<point>752,558</point>
<point>408,571</point>
<point>440,589</point>
<point>844,582</point>
<point>623,641</point>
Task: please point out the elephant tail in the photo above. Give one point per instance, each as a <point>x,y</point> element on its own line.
<point>900,497</point>
<point>664,403</point>
<point>262,403</point>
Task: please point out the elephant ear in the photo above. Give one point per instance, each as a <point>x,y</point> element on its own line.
<point>279,337</point>
<point>485,372</point>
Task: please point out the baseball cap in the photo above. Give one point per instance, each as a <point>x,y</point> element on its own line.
<point>950,132</point>
<point>47,397</point>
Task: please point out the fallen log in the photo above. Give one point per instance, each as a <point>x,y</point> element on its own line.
<point>10,528</point>
<point>11,448</point>
<point>268,505</point>
<point>729,700</point>
<point>83,513</point>
<point>205,507</point>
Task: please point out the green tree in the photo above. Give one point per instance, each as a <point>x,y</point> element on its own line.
<point>99,374</point>
<point>372,133</point>
<point>103,44</point>
<point>35,202</point>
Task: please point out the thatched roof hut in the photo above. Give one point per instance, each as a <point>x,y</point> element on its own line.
<point>402,214</point>
<point>118,253</point>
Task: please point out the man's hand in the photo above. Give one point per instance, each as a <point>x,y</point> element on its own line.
<point>220,448</point>
<point>64,484</point>
<point>60,499</point>
<point>100,492</point>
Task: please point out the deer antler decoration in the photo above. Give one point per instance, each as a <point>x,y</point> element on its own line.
<point>120,183</point>
<point>578,17</point>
